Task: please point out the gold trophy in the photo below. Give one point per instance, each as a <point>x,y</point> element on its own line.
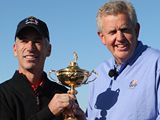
<point>72,76</point>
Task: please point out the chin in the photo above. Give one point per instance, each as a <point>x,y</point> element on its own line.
<point>122,58</point>
<point>29,67</point>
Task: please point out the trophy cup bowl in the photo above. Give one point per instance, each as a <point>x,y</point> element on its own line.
<point>72,76</point>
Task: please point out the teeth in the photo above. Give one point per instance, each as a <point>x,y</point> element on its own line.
<point>30,57</point>
<point>121,46</point>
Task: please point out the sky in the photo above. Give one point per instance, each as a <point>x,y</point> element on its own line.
<point>72,27</point>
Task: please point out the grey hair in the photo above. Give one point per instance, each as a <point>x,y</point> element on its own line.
<point>114,7</point>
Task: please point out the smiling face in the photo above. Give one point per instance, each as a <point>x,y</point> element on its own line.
<point>119,36</point>
<point>31,50</point>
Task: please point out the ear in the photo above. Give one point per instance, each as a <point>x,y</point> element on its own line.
<point>137,29</point>
<point>14,50</point>
<point>49,50</point>
<point>102,38</point>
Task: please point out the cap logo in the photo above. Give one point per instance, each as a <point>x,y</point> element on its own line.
<point>31,20</point>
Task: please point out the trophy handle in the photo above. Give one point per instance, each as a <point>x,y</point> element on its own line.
<point>92,72</point>
<point>49,74</point>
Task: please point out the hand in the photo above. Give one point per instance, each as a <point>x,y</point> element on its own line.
<point>60,102</point>
<point>78,112</point>
<point>74,111</point>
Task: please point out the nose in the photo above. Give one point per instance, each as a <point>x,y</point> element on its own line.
<point>30,45</point>
<point>119,35</point>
